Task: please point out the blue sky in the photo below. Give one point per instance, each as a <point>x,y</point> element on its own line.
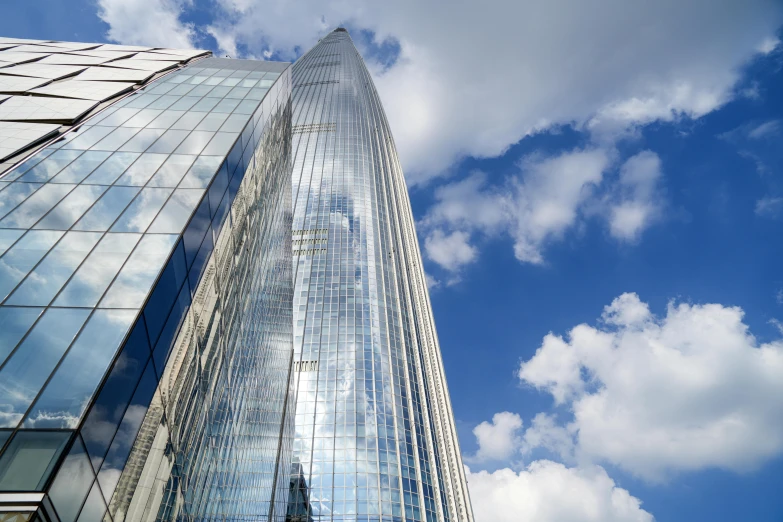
<point>617,167</point>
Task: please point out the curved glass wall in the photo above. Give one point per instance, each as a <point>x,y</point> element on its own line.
<point>375,436</point>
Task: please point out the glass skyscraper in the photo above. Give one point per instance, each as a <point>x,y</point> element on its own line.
<point>145,285</point>
<point>375,437</point>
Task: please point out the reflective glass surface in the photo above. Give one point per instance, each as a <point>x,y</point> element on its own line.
<point>145,303</point>
<point>375,436</point>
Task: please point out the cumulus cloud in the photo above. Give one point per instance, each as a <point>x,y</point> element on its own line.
<point>548,197</point>
<point>553,63</point>
<point>154,23</point>
<point>548,491</point>
<point>451,251</point>
<point>499,439</point>
<point>659,395</point>
<point>638,203</point>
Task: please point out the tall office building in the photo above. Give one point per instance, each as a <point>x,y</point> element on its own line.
<point>145,285</point>
<point>375,437</point>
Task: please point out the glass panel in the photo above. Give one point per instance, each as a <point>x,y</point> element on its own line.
<point>68,393</point>
<point>30,365</point>
<point>141,141</point>
<point>88,137</point>
<point>115,140</point>
<point>143,118</point>
<point>132,285</point>
<point>188,121</point>
<point>82,167</point>
<point>212,121</point>
<point>174,320</point>
<point>43,283</point>
<point>220,144</point>
<point>165,120</point>
<point>29,459</point>
<point>169,141</point>
<point>118,117</point>
<point>24,255</point>
<point>174,216</point>
<point>7,238</point>
<point>46,170</point>
<point>29,163</point>
<point>70,209</point>
<point>126,434</point>
<point>98,270</point>
<point>112,168</point>
<point>14,323</point>
<point>185,103</point>
<point>226,105</point>
<point>94,507</point>
<point>109,408</point>
<point>139,214</point>
<point>206,104</point>
<point>103,214</point>
<point>200,174</point>
<point>195,143</point>
<point>15,194</point>
<point>142,170</point>
<point>172,171</point>
<point>234,124</point>
<point>26,214</point>
<point>72,483</point>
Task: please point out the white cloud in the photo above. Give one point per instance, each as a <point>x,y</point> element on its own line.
<point>154,23</point>
<point>769,207</point>
<point>451,251</point>
<point>638,203</point>
<point>768,45</point>
<point>552,63</point>
<point>550,492</point>
<point>766,129</point>
<point>657,395</point>
<point>534,207</point>
<point>499,439</point>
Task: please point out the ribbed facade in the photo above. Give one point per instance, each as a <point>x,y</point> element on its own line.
<point>375,436</point>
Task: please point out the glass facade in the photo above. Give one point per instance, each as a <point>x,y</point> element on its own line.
<point>375,437</point>
<point>145,306</point>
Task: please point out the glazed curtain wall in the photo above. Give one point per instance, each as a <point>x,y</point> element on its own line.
<point>375,437</point>
<point>107,238</point>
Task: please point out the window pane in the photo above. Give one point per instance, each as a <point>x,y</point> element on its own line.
<point>165,120</point>
<point>8,237</point>
<point>172,171</point>
<point>139,214</point>
<point>24,255</point>
<point>46,170</point>
<point>200,174</point>
<point>67,394</point>
<point>134,281</point>
<point>82,167</point>
<point>72,483</point>
<point>14,323</point>
<point>88,137</point>
<point>195,143</point>
<point>29,459</point>
<point>103,214</point>
<point>109,408</point>
<point>30,365</point>
<point>15,194</point>
<point>43,283</point>
<point>26,214</point>
<point>188,121</point>
<point>98,270</point>
<point>115,139</point>
<point>142,170</point>
<point>212,121</point>
<point>70,209</point>
<point>126,434</point>
<point>141,141</point>
<point>112,168</point>
<point>94,507</point>
<point>169,141</point>
<point>174,216</point>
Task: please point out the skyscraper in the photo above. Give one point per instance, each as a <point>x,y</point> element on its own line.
<point>375,436</point>
<point>145,285</point>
